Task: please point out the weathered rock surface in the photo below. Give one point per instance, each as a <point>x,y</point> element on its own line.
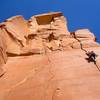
<point>54,76</point>
<point>20,34</point>
<point>3,56</point>
<point>46,61</point>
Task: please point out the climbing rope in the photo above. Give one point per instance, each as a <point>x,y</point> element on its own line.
<point>97,66</point>
<point>81,46</point>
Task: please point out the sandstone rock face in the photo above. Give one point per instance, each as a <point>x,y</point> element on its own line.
<point>54,76</point>
<point>17,29</point>
<point>23,35</point>
<point>46,61</point>
<point>86,37</point>
<point>3,56</point>
<point>20,33</point>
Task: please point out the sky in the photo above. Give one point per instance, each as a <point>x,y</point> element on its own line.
<point>79,13</point>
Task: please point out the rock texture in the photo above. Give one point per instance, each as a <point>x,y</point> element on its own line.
<point>31,36</point>
<point>41,60</point>
<point>3,55</point>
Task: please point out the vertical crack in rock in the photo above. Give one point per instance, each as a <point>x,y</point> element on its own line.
<point>51,72</point>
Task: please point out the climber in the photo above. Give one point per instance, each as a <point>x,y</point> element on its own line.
<point>92,56</point>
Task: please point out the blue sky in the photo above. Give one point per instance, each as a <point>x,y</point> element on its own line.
<point>80,13</point>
